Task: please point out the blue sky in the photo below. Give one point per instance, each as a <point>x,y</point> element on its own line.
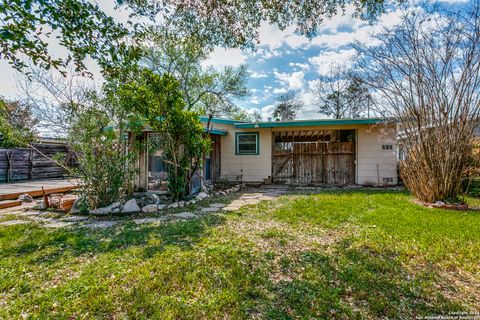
<point>283,60</point>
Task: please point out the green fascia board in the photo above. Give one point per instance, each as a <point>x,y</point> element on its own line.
<point>216,131</point>
<point>220,120</point>
<point>309,123</point>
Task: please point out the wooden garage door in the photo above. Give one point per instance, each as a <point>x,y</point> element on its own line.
<point>316,158</point>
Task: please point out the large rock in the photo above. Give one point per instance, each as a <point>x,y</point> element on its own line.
<point>78,206</point>
<point>150,208</point>
<point>25,198</point>
<point>130,206</point>
<point>201,196</point>
<point>113,208</point>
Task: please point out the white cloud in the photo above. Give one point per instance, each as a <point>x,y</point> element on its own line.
<point>255,100</point>
<point>292,81</point>
<point>326,60</point>
<point>303,66</point>
<point>279,90</point>
<point>221,57</point>
<point>267,111</point>
<point>257,75</point>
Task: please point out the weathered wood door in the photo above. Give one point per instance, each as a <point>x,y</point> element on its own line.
<point>313,162</point>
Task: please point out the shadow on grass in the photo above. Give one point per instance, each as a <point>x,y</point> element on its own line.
<point>354,283</point>
<point>78,241</point>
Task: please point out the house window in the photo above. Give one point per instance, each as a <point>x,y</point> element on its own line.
<point>246,143</point>
<point>387,147</point>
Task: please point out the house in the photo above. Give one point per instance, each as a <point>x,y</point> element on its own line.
<point>300,152</point>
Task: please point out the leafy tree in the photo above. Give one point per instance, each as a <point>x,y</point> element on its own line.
<point>236,23</point>
<point>156,101</point>
<point>287,106</point>
<point>16,124</point>
<point>205,90</point>
<point>27,27</point>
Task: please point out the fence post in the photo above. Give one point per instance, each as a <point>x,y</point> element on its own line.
<point>8,154</point>
<point>30,164</point>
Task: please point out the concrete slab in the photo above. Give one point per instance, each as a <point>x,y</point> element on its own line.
<point>185,215</point>
<point>210,209</point>
<point>74,218</point>
<point>218,205</point>
<point>150,220</point>
<point>101,224</point>
<point>12,222</point>
<point>58,224</point>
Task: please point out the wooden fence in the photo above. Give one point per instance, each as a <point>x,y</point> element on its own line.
<point>20,164</point>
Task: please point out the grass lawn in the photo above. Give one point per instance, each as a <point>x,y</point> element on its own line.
<point>344,254</point>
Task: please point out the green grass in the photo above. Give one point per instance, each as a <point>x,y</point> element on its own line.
<point>359,254</point>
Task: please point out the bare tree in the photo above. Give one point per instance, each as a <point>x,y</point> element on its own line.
<point>56,100</point>
<point>341,94</point>
<point>287,106</point>
<point>427,72</point>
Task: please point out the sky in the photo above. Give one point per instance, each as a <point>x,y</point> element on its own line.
<point>282,61</point>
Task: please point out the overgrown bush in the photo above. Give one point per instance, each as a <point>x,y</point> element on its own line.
<point>105,168</point>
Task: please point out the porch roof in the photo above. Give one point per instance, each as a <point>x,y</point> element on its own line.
<point>216,131</point>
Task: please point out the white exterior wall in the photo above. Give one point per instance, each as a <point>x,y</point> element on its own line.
<point>370,156</point>
<point>257,168</point>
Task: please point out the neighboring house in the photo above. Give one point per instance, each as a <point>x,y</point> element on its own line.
<point>303,152</point>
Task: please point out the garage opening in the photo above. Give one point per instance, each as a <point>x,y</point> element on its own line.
<point>313,157</point>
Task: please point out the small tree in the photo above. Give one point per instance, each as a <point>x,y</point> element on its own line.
<point>17,126</point>
<point>287,106</point>
<point>427,72</point>
<point>156,101</point>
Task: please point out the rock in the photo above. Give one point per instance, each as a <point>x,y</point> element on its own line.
<point>58,224</point>
<point>185,215</point>
<point>153,198</point>
<point>101,224</point>
<point>210,209</point>
<point>173,205</point>
<point>439,203</point>
<point>26,198</point>
<point>130,206</point>
<point>181,204</point>
<point>112,208</point>
<point>150,208</point>
<point>222,193</point>
<point>160,207</point>
<point>201,196</point>
<point>74,218</point>
<point>40,205</point>
<point>218,205</point>
<point>79,206</point>
<point>149,220</point>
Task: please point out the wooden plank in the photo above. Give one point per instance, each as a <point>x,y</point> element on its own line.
<point>36,192</point>
<point>10,203</point>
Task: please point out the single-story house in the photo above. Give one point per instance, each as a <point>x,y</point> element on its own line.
<point>303,152</point>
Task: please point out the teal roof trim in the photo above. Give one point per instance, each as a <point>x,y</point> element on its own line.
<point>216,131</point>
<point>222,121</point>
<point>309,123</point>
